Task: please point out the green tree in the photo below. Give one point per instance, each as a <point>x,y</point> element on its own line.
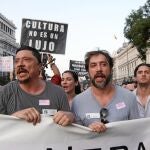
<point>137,29</point>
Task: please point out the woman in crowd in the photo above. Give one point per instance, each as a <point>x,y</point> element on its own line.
<point>56,78</point>
<point>70,84</point>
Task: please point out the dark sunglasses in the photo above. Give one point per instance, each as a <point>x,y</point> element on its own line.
<point>103,114</point>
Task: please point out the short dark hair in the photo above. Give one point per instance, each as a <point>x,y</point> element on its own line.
<point>34,51</point>
<point>88,56</point>
<point>137,67</point>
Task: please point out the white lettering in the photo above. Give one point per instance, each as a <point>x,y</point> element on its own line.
<point>50,26</point>
<point>51,46</point>
<point>56,27</point>
<point>39,25</point>
<point>53,36</point>
<point>38,44</point>
<point>30,42</point>
<point>34,24</point>
<point>45,44</point>
<point>62,28</point>
<point>28,23</point>
<point>43,34</point>
<point>45,26</point>
<point>33,33</point>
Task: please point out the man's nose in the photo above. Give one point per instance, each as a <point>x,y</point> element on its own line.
<point>143,73</point>
<point>19,63</point>
<point>98,68</point>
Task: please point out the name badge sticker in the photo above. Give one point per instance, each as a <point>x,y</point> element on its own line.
<point>120,105</point>
<point>92,115</point>
<point>49,112</point>
<point>44,102</point>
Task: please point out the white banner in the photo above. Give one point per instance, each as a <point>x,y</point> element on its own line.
<point>6,64</point>
<point>16,134</point>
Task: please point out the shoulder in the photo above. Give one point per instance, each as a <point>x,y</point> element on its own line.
<point>53,87</point>
<point>121,90</point>
<point>85,93</point>
<point>125,94</point>
<point>82,97</point>
<point>11,86</point>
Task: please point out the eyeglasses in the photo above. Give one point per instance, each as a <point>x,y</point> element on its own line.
<point>103,114</point>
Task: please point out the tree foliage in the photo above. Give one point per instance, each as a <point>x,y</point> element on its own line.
<point>137,29</point>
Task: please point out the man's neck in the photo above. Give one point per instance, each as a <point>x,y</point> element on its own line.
<point>143,90</point>
<point>35,87</point>
<point>104,96</point>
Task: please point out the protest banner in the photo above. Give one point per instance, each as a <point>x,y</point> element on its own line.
<point>6,64</point>
<point>78,66</point>
<point>18,134</point>
<point>45,36</point>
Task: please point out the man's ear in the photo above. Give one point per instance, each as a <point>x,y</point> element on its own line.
<point>40,67</point>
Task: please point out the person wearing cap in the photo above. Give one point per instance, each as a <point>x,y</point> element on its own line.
<point>103,101</point>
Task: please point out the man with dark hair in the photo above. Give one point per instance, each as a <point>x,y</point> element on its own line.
<point>29,96</point>
<point>142,77</point>
<point>103,101</point>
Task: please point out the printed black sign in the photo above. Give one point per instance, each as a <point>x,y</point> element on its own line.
<point>78,66</point>
<point>47,37</point>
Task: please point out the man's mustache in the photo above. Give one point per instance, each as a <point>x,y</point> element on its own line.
<point>99,75</point>
<point>20,70</point>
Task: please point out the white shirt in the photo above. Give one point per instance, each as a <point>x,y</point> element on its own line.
<point>144,112</point>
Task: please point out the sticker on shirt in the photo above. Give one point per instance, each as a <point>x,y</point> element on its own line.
<point>92,115</point>
<point>44,102</point>
<point>120,105</point>
<point>49,112</point>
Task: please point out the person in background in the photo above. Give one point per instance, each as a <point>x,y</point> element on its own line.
<point>142,92</point>
<point>70,84</point>
<point>103,101</point>
<point>29,96</point>
<point>131,85</point>
<point>56,78</point>
<point>124,84</point>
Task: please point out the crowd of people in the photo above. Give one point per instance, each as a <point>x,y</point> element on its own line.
<point>31,94</point>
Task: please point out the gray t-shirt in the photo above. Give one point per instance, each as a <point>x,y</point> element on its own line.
<point>13,98</point>
<point>123,106</point>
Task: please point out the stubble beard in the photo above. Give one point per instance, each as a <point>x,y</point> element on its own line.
<point>25,81</point>
<point>103,84</point>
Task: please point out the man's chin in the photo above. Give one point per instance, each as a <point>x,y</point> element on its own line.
<point>23,81</point>
<point>99,85</point>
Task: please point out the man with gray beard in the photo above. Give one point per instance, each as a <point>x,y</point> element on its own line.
<point>103,102</point>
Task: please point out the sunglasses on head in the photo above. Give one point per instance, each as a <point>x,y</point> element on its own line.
<point>103,115</point>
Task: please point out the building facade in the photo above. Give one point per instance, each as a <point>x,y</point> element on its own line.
<point>8,43</point>
<point>125,60</point>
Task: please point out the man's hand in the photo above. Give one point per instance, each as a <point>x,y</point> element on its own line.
<point>97,127</point>
<point>29,114</point>
<point>63,118</point>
